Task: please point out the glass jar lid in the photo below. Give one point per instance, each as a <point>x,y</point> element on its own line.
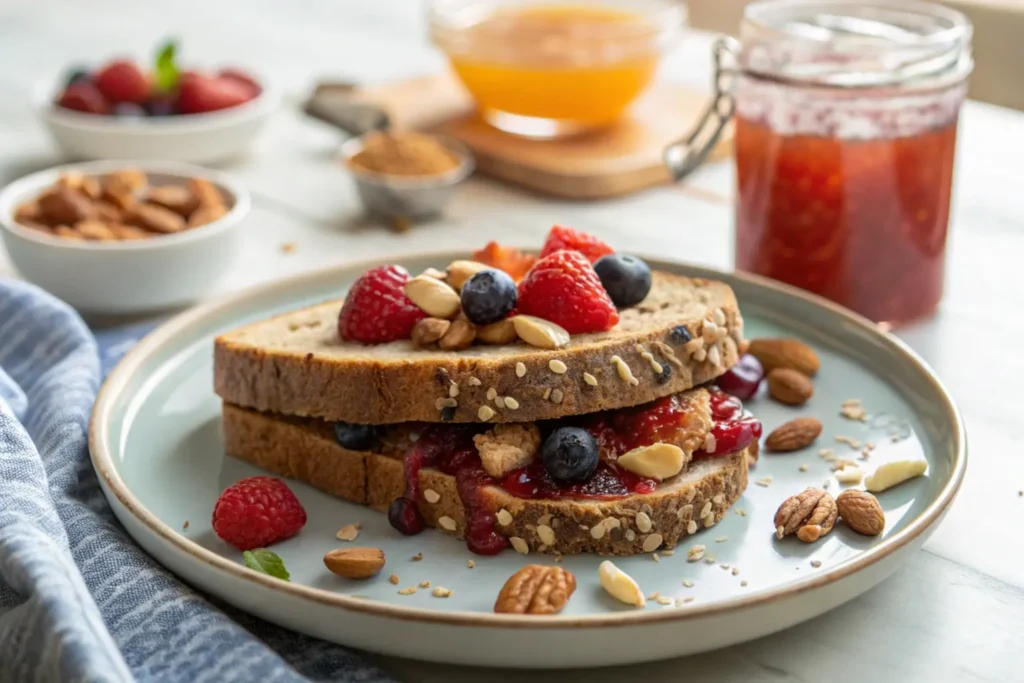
<point>853,44</point>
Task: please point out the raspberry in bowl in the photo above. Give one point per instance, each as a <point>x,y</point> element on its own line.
<point>127,109</point>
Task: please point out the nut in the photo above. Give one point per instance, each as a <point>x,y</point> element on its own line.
<point>501,332</point>
<point>861,512</point>
<point>460,335</point>
<point>349,532</point>
<point>355,563</point>
<point>785,353</point>
<point>205,214</point>
<point>154,218</point>
<point>207,193</point>
<point>175,198</point>
<point>794,435</point>
<point>658,461</point>
<point>620,585</point>
<point>810,515</point>
<point>536,589</point>
<point>460,271</point>
<point>789,386</point>
<point>849,475</point>
<point>435,298</point>
<point>892,473</point>
<point>540,333</point>
<point>63,205</point>
<point>429,330</point>
<point>92,229</point>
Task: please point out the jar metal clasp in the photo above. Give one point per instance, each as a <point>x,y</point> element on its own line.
<point>686,154</point>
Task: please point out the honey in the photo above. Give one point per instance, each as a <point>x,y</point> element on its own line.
<point>578,65</point>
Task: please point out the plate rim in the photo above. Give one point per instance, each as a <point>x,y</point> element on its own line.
<point>120,375</point>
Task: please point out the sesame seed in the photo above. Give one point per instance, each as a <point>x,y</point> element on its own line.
<point>803,468</point>
<point>556,366</point>
<point>724,566</point>
<point>735,571</point>
<point>556,395</point>
<point>499,401</point>
<point>664,600</point>
<point>491,393</point>
<point>431,496</point>
<point>474,382</point>
<point>721,539</point>
<point>826,452</point>
<point>447,523</point>
<point>743,583</point>
<point>511,403</point>
<point>453,390</point>
<point>441,592</point>
<point>695,553</point>
<point>519,544</point>
<point>470,563</point>
<point>424,584</point>
<point>688,583</point>
<point>520,370</point>
<point>710,559</point>
<point>668,552</point>
<point>407,591</point>
<point>685,511</point>
<point>625,374</point>
<point>417,557</point>
<point>643,522</point>
<point>393,579</point>
<point>485,413</point>
<point>589,379</point>
<point>646,355</point>
<point>688,598</point>
<point>547,393</point>
<point>655,557</point>
<point>815,563</point>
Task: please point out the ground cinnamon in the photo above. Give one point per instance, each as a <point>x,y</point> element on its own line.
<point>404,154</point>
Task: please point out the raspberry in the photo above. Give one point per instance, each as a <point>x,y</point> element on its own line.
<point>562,237</point>
<point>122,81</point>
<point>508,259</point>
<point>258,511</point>
<point>376,310</point>
<point>564,289</point>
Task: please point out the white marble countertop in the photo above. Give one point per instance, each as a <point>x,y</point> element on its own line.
<point>956,612</point>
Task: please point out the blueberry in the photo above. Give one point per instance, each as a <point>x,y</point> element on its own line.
<point>78,75</point>
<point>665,374</point>
<point>570,455</point>
<point>489,296</point>
<point>679,335</point>
<point>447,414</point>
<point>161,107</point>
<point>355,437</point>
<point>626,278</point>
<point>128,110</point>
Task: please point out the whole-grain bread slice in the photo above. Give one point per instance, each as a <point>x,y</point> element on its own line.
<point>683,334</point>
<point>305,449</point>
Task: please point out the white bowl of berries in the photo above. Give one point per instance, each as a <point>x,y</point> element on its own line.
<point>124,110</point>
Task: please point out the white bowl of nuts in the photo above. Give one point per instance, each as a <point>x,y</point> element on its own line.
<point>118,237</point>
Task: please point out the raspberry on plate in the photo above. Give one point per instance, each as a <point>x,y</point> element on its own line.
<point>569,239</point>
<point>564,289</point>
<point>508,259</point>
<point>376,310</point>
<point>258,511</point>
<point>123,81</point>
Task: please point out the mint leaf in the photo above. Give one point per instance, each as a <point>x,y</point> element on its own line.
<point>166,70</point>
<point>266,562</point>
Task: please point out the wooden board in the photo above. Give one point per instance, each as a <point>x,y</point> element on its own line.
<point>607,163</point>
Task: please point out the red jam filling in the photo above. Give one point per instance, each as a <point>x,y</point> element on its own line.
<point>450,448</point>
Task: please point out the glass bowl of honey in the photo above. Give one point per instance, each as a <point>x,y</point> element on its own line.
<point>549,68</point>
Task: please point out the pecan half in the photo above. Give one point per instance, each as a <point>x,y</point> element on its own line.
<point>810,515</point>
<point>536,589</point>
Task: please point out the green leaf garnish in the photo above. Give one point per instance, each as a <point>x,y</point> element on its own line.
<point>266,562</point>
<point>166,70</point>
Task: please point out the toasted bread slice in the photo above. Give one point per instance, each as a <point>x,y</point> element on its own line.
<point>306,449</point>
<point>683,334</point>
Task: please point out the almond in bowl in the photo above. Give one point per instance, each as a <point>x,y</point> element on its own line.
<point>121,237</point>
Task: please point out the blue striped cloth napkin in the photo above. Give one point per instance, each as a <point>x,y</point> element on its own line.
<point>79,601</point>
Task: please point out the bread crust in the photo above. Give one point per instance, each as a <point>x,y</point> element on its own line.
<point>294,364</point>
<point>306,449</point>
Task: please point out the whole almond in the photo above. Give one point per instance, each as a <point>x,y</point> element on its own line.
<point>501,332</point>
<point>540,333</point>
<point>154,218</point>
<point>355,563</point>
<point>794,435</point>
<point>785,353</point>
<point>861,512</point>
<point>788,386</point>
<point>435,298</point>
<point>429,330</point>
<point>460,335</point>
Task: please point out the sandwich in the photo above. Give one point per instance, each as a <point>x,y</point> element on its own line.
<point>558,404</point>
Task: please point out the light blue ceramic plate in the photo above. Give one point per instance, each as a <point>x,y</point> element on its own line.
<point>156,445</point>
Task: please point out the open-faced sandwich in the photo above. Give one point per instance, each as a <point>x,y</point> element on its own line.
<point>562,403</point>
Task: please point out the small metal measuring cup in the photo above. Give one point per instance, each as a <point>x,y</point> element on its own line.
<point>398,199</point>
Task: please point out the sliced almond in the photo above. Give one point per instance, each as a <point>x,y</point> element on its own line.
<point>433,297</point>
<point>620,585</point>
<point>540,333</point>
<point>460,271</point>
<point>893,473</point>
<point>658,461</point>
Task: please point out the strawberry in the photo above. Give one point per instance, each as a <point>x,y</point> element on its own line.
<point>199,94</point>
<point>83,96</point>
<point>508,259</point>
<point>123,81</point>
<point>564,289</point>
<point>258,511</point>
<point>242,77</point>
<point>376,310</point>
<point>562,237</point>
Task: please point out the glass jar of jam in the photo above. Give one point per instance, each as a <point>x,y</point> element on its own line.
<point>845,119</point>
